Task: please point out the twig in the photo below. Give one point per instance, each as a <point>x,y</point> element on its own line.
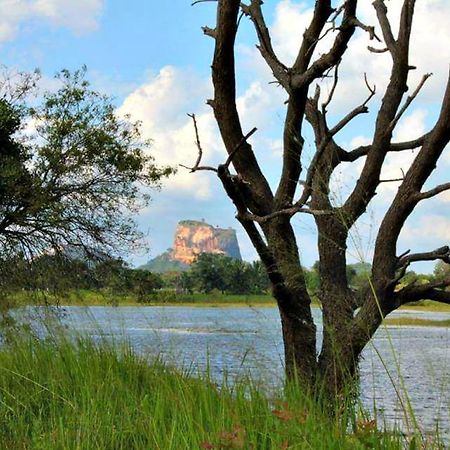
<point>197,166</point>
<point>238,146</point>
<point>333,88</point>
<point>409,100</point>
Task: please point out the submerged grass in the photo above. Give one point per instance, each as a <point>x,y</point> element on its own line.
<point>74,394</point>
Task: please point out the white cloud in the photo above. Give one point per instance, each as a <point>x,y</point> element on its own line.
<point>397,163</point>
<point>428,228</point>
<point>161,105</point>
<point>79,16</point>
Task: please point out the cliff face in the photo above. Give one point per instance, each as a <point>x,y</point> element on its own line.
<point>193,237</point>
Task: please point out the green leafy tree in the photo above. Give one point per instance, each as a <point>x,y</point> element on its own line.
<point>442,270</point>
<point>208,272</point>
<point>77,178</point>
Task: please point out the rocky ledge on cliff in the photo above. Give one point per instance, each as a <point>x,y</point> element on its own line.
<point>193,237</point>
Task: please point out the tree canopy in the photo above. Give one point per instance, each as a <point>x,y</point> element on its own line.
<point>72,172</point>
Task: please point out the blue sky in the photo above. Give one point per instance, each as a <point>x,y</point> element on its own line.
<point>152,57</point>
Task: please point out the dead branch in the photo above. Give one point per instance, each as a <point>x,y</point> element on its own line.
<point>392,180</point>
<point>363,150</point>
<point>377,50</point>
<point>361,109</point>
<point>238,146</point>
<point>432,192</point>
<point>279,70</point>
<point>429,291</point>
<point>304,77</point>
<point>368,29</point>
<point>333,88</point>
<point>202,1</point>
<point>409,100</point>
<point>284,212</point>
<point>442,253</point>
<point>197,166</point>
<point>381,10</point>
<point>211,32</point>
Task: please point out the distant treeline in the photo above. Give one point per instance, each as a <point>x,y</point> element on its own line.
<point>209,273</point>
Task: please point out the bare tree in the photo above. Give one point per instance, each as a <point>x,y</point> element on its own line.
<point>350,317</point>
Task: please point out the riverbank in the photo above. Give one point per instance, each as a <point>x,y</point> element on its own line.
<point>169,298</point>
<point>60,394</point>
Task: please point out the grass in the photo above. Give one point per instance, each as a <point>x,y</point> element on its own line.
<point>417,322</point>
<point>84,297</point>
<point>61,394</point>
<point>98,298</point>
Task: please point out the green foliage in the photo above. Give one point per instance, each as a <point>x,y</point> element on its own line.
<point>164,263</point>
<point>214,271</point>
<point>441,271</point>
<point>76,178</point>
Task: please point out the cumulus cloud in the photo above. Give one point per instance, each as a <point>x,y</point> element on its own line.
<point>428,229</point>
<point>79,16</point>
<point>396,164</point>
<point>161,105</point>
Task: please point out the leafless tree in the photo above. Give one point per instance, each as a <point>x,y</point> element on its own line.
<point>350,317</point>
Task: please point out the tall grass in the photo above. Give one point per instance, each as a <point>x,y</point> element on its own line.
<point>74,394</point>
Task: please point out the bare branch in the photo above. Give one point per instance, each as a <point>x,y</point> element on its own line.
<point>197,166</point>
<point>333,88</point>
<point>363,150</point>
<point>259,196</point>
<point>377,50</point>
<point>442,253</point>
<point>439,295</point>
<point>361,109</point>
<point>238,146</point>
<point>429,291</point>
<point>279,70</point>
<point>409,100</point>
<point>432,192</point>
<point>392,180</point>
<point>202,1</point>
<point>284,212</point>
<point>304,75</point>
<point>383,20</point>
<point>369,29</point>
<point>211,32</point>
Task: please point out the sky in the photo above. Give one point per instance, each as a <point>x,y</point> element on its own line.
<point>153,59</point>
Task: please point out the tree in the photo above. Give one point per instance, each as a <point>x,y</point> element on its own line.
<point>208,272</point>
<point>350,316</point>
<point>441,271</point>
<point>76,179</point>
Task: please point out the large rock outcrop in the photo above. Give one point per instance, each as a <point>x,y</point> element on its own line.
<point>193,237</point>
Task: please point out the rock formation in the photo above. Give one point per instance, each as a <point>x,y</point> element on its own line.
<point>193,237</point>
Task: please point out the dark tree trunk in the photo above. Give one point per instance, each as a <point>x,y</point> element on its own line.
<point>349,318</point>
<point>294,303</point>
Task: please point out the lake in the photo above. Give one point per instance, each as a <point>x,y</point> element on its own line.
<point>248,340</point>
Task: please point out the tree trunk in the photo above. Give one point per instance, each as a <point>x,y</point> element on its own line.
<point>294,303</point>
